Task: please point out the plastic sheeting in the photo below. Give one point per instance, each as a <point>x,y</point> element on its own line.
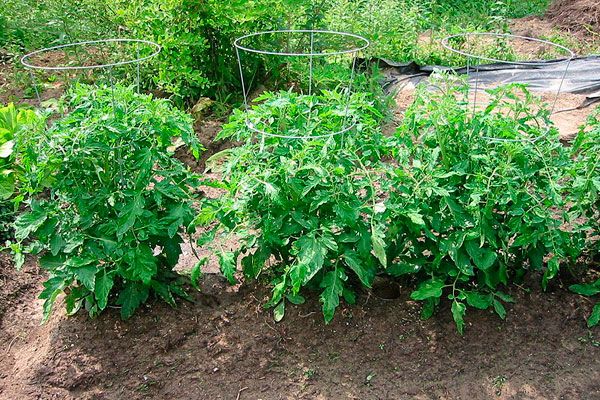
<point>582,77</point>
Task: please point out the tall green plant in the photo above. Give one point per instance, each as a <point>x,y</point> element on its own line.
<point>479,200</point>
<point>584,199</point>
<point>13,121</point>
<point>109,227</point>
<point>303,208</point>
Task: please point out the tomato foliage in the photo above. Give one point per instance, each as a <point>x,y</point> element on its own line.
<point>110,224</point>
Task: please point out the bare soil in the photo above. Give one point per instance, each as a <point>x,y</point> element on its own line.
<point>226,346</point>
<point>578,16</point>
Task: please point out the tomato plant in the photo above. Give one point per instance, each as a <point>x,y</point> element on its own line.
<point>584,199</point>
<point>13,121</point>
<point>109,227</point>
<point>460,202</point>
<point>478,197</point>
<point>303,208</point>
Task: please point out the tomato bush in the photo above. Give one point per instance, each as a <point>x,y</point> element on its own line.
<point>110,224</point>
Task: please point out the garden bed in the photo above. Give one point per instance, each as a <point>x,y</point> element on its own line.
<point>226,345</point>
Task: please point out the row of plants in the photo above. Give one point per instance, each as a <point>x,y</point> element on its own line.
<point>455,203</point>
<point>461,204</point>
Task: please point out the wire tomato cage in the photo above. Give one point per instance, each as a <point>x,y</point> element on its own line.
<point>86,57</point>
<point>516,56</point>
<point>305,63</point>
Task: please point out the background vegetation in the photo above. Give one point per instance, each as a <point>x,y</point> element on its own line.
<point>198,58</point>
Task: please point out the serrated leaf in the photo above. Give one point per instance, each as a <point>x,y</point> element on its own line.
<point>295,298</point>
<point>504,297</point>
<point>349,296</point>
<point>590,289</point>
<point>141,263</point>
<point>550,272</point>
<point>415,218</point>
<point>594,317</point>
<point>164,291</point>
<point>365,273</point>
<point>53,287</point>
<point>428,308</point>
<point>102,288</point>
<point>402,268</point>
<point>7,185</point>
<point>29,222</point>
<point>86,275</point>
<point>310,259</point>
<point>479,300</point>
<point>458,314</point>
<point>428,289</point>
<point>56,244</point>
<point>172,249</point>
<point>227,262</point>
<point>128,215</point>
<point>482,257</point>
<point>333,288</point>
<point>347,213</point>
<point>131,297</point>
<point>279,311</point>
<point>499,308</point>
<point>378,243</point>
<point>196,272</point>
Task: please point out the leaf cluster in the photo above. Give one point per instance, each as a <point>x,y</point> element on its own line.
<point>113,204</point>
<point>461,202</point>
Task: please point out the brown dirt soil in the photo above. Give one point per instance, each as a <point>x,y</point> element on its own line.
<point>226,346</point>
<point>577,16</point>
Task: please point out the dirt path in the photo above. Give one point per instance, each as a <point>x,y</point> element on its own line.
<point>226,345</point>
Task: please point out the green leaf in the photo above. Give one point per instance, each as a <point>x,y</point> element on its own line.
<point>430,288</point>
<point>104,284</point>
<point>171,248</point>
<point>87,275</point>
<point>349,296</point>
<point>550,272</point>
<point>402,268</point>
<point>196,272</point>
<point>164,291</point>
<point>56,244</point>
<point>131,297</point>
<point>590,289</point>
<point>415,218</point>
<point>333,288</point>
<point>128,215</point>
<point>279,311</point>
<point>53,287</point>
<point>347,213</point>
<point>377,241</point>
<point>142,265</point>
<point>499,308</point>
<point>594,317</point>
<point>253,264</point>
<point>227,262</point>
<point>7,184</point>
<point>428,308</point>
<point>504,297</point>
<point>365,273</point>
<point>483,257</point>
<point>295,298</point>
<point>29,222</point>
<point>311,255</point>
<point>479,300</point>
<point>458,314</point>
